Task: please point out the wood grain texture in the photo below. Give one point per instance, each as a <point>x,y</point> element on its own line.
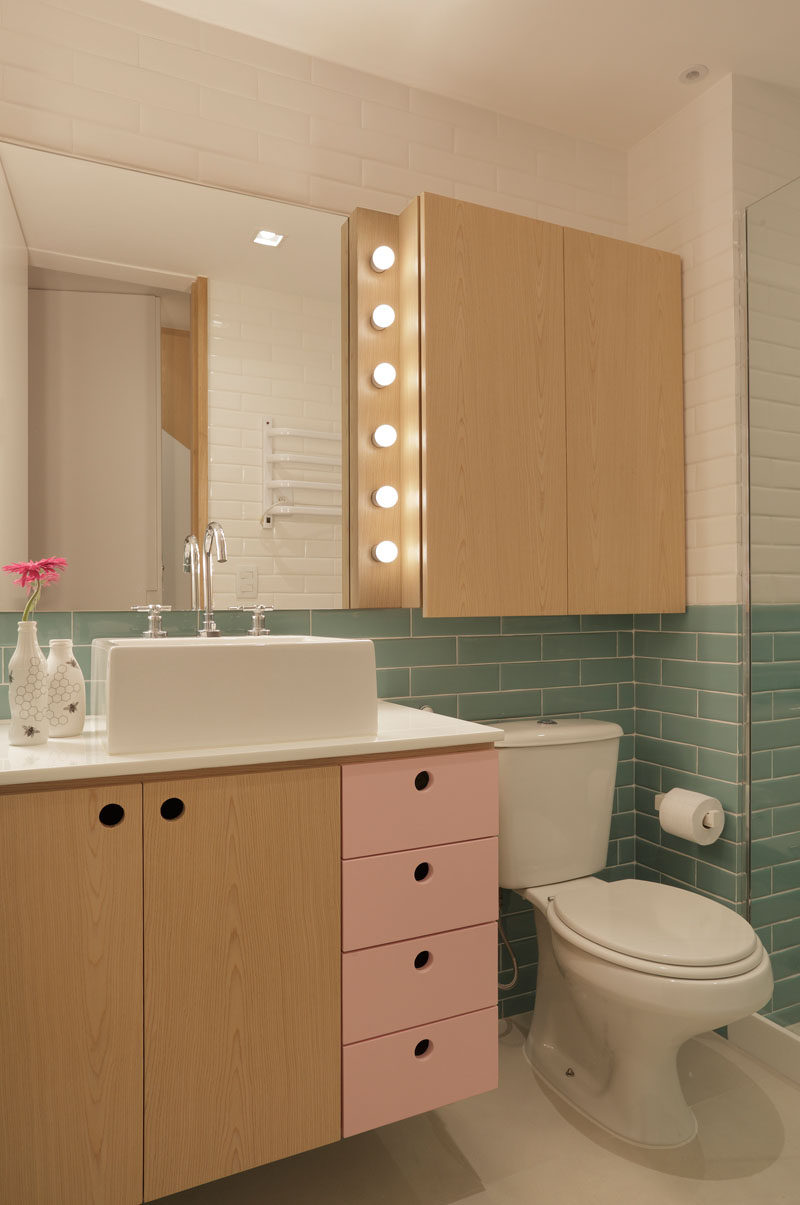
<point>624,389</point>
<point>71,999</point>
<point>345,321</point>
<point>493,423</point>
<point>176,385</point>
<point>199,334</point>
<point>409,427</point>
<point>242,974</point>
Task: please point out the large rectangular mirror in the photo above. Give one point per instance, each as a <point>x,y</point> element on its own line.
<point>163,346</point>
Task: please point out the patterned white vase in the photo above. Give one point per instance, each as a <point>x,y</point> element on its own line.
<point>27,689</point>
<point>66,709</point>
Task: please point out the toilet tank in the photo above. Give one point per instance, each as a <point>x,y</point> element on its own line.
<point>556,798</point>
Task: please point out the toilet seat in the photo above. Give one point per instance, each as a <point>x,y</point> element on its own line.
<point>652,928</point>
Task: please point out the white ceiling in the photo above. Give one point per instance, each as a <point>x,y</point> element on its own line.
<point>599,69</point>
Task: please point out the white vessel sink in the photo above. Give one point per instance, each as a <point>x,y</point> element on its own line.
<point>191,693</point>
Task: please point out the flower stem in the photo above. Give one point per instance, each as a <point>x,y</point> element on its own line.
<point>30,605</point>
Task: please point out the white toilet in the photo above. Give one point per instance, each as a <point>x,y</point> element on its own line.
<point>628,971</point>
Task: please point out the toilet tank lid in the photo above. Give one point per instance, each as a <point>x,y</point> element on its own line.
<point>555,732</point>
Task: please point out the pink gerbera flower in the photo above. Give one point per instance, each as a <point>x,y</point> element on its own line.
<point>32,575</point>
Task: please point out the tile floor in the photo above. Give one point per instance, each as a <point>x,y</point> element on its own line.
<point>521,1146</point>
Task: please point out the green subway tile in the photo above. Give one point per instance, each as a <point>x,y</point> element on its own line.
<point>711,706</point>
<point>648,723</point>
<point>785,877</point>
<point>627,744</point>
<point>728,793</point>
<point>421,650</point>
<point>455,679</point>
<point>775,619</point>
<point>786,963</point>
<point>361,623</point>
<point>785,704</point>
<point>505,705</point>
<point>765,937</point>
<point>719,648</point>
<point>443,704</point>
<point>90,625</point>
<point>605,623</point>
<point>786,934</point>
<point>232,623</point>
<point>514,1006</point>
<point>785,1016</point>
<point>625,717</point>
<point>668,862</point>
<point>786,646</point>
<point>5,714</point>
<point>612,853</point>
<point>523,675</point>
<point>626,850</point>
<point>786,993</point>
<point>289,623</point>
<point>185,623</point>
<point>83,655</point>
<point>761,764</point>
<point>665,753</point>
<point>392,682</point>
<point>701,675</point>
<point>647,623</point>
<point>495,649</point>
<point>784,761</point>
<point>607,669</point>
<point>775,908</point>
<point>666,698</point>
<point>626,694</point>
<point>420,626</point>
<point>708,733</point>
<point>761,823</point>
<point>761,883</point>
<point>647,669</point>
<point>513,624</point>
<point>775,675</point>
<point>784,819</point>
<point>712,764</point>
<point>579,644</point>
<point>761,646</point>
<point>761,706</point>
<point>624,644</point>
<point>719,882</point>
<point>511,902</point>
<point>50,625</point>
<point>562,699</point>
<point>724,618</point>
<point>772,851</point>
<point>613,874</point>
<point>724,854</point>
<point>648,774</point>
<point>625,801</point>
<point>644,872</point>
<point>625,774</point>
<point>622,825</point>
<point>775,734</point>
<point>676,645</point>
<point>775,792</point>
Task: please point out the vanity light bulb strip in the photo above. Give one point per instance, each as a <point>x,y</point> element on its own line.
<point>384,436</point>
<point>385,496</point>
<point>382,258</point>
<point>382,317</point>
<point>385,552</point>
<point>384,374</point>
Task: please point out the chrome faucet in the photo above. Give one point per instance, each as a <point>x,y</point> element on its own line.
<point>214,538</point>
<point>191,564</point>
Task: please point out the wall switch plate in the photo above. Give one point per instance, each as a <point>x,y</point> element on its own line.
<point>247,581</point>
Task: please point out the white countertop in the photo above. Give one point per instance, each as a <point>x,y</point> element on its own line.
<point>86,756</point>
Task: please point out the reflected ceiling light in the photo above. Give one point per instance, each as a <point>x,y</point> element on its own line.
<point>268,238</point>
<point>385,552</point>
<point>384,436</point>
<point>382,316</point>
<point>382,258</point>
<point>385,496</point>
<point>693,74</point>
<point>384,374</point>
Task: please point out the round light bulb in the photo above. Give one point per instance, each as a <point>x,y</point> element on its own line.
<point>384,374</point>
<point>384,436</point>
<point>382,258</point>
<point>385,496</point>
<point>385,552</point>
<point>382,316</point>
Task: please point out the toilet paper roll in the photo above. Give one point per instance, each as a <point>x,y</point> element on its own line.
<point>690,815</point>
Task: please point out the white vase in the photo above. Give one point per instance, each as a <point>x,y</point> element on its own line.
<point>66,708</point>
<point>27,689</point>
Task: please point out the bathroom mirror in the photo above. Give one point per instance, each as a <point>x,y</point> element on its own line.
<point>96,278</point>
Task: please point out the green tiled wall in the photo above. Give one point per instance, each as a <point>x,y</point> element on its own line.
<point>775,799</point>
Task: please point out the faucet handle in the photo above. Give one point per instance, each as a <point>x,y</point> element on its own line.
<point>258,612</point>
<point>154,612</point>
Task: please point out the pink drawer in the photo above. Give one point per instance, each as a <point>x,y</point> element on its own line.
<point>384,1080</point>
<point>395,896</point>
<point>410,802</point>
<point>410,982</point>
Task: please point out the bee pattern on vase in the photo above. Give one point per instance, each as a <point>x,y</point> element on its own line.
<point>66,711</point>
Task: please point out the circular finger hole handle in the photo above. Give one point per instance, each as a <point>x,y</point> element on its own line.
<point>172,808</point>
<point>111,814</point>
<point>422,1048</point>
<point>422,871</point>
<point>422,960</point>
<point>422,780</point>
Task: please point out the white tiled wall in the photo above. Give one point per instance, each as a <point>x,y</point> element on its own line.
<point>273,355</point>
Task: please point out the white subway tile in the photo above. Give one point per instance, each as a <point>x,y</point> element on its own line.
<point>306,97</point>
<point>451,167</point>
<point>36,126</point>
<point>199,132</point>
<point>409,126</point>
<point>232,110</point>
<point>72,29</point>
<point>27,88</point>
<point>315,160</point>
<point>266,180</point>
<point>135,150</point>
<point>198,66</point>
<point>359,84</point>
<point>355,140</point>
<point>453,112</point>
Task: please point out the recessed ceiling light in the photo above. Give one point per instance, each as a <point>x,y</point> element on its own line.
<point>693,74</point>
<point>268,238</point>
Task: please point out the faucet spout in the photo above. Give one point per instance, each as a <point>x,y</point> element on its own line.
<point>213,541</point>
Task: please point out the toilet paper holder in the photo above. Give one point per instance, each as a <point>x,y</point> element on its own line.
<point>708,821</point>
<point>687,818</point>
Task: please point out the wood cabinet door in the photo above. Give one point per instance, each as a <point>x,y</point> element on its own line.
<point>71,997</point>
<point>625,455</point>
<point>493,420</point>
<point>242,972</point>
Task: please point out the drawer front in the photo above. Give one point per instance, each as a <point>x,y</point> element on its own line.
<point>408,983</point>
<point>386,1079</point>
<point>396,896</point>
<point>411,802</point>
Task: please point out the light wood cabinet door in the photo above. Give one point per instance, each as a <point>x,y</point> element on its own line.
<point>242,972</point>
<point>71,997</point>
<point>625,455</point>
<point>494,539</point>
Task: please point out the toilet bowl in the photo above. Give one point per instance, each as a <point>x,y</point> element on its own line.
<point>628,970</point>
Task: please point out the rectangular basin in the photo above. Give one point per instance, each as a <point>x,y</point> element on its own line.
<point>192,693</point>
